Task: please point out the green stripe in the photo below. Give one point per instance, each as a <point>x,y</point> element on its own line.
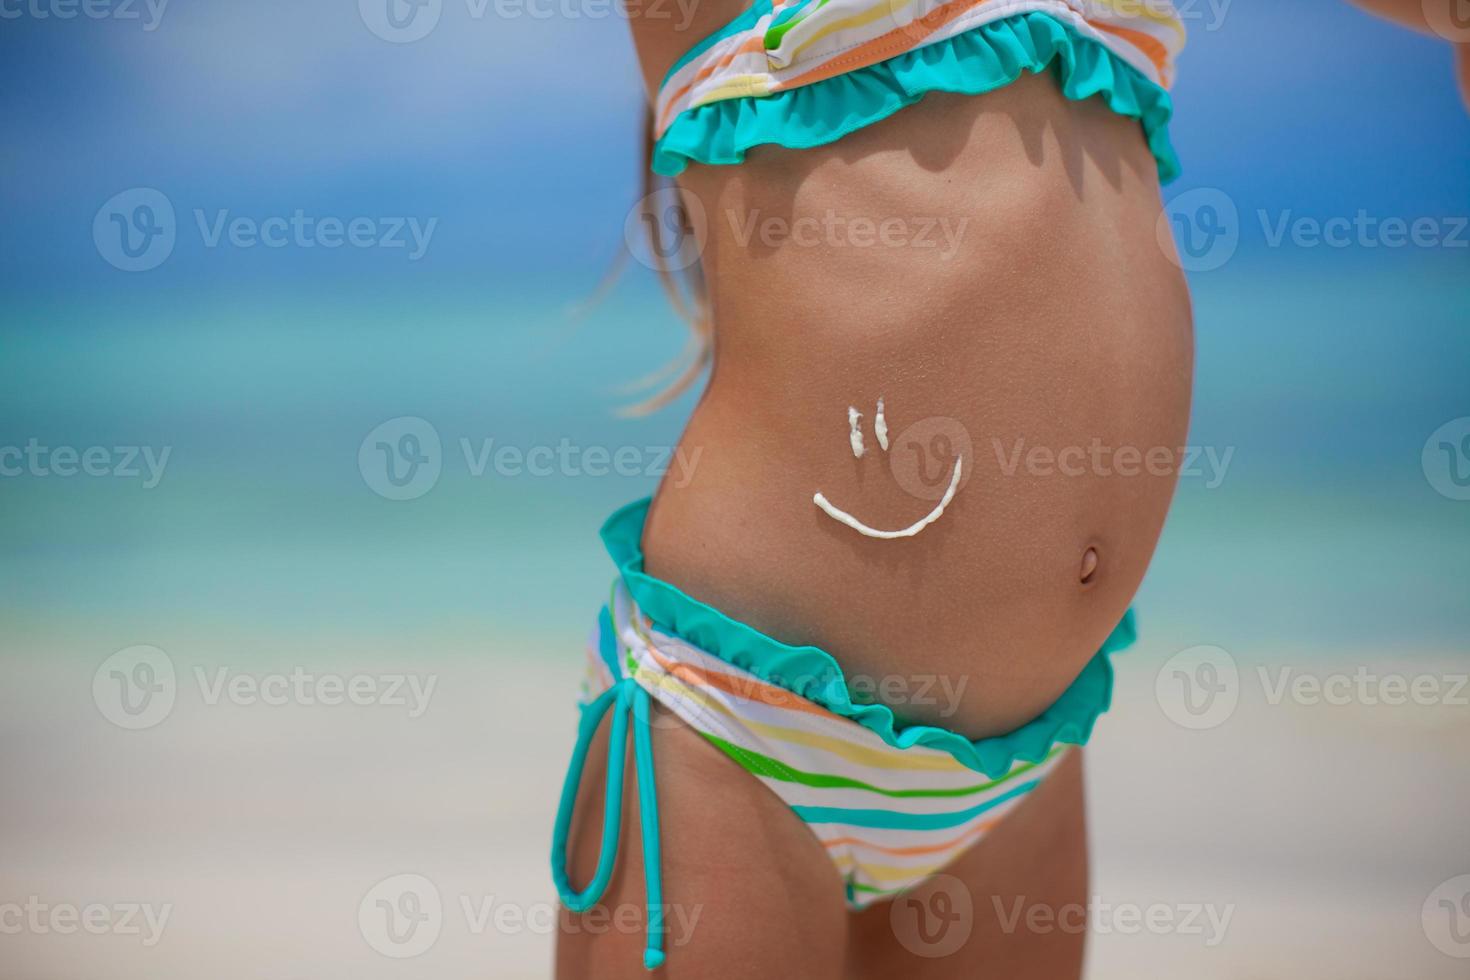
<point>788,19</point>
<point>900,820</point>
<point>858,887</point>
<point>628,661</point>
<point>764,765</point>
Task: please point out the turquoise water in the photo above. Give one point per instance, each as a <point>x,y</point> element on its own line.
<point>1324,533</point>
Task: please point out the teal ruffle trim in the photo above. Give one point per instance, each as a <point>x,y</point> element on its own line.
<point>815,675</point>
<point>981,60</point>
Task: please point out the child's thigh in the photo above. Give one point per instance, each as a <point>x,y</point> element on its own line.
<point>749,891</point>
<point>1012,907</point>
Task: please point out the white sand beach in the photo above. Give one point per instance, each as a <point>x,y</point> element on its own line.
<point>253,833</point>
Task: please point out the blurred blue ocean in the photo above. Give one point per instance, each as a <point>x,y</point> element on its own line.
<point>263,369</point>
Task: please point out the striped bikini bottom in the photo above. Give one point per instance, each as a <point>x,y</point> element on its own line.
<point>891,803</point>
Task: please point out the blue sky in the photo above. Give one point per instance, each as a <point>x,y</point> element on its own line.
<point>518,132</point>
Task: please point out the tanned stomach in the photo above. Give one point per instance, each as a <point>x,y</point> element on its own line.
<point>989,267</point>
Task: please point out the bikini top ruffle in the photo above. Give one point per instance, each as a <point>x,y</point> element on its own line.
<point>802,73</point>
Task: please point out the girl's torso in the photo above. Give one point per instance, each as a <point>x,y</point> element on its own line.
<point>990,268</point>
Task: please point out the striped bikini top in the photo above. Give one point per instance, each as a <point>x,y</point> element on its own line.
<point>801,73</point>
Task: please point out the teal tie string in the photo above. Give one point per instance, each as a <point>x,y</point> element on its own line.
<point>619,698</point>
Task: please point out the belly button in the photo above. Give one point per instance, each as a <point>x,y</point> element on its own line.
<point>1088,573</point>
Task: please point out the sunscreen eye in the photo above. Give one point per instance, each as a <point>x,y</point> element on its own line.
<point>855,439</point>
<point>1088,573</point>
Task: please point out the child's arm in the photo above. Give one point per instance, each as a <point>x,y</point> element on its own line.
<point>1451,23</point>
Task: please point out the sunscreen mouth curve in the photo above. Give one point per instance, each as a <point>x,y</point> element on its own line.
<point>843,517</point>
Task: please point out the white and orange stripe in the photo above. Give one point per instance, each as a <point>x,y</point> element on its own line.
<point>887,816</point>
<point>826,38</point>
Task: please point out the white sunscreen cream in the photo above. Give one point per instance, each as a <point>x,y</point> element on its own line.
<point>855,434</point>
<point>880,427</point>
<point>843,517</point>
